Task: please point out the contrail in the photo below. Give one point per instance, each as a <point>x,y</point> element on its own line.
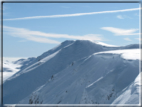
<point>72,15</point>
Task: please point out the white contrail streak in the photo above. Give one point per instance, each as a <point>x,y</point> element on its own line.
<point>72,15</point>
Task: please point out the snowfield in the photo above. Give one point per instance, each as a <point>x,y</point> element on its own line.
<point>78,72</point>
<point>129,94</point>
<point>133,54</point>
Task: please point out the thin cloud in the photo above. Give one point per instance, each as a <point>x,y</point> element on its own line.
<point>22,41</point>
<point>139,39</point>
<point>73,15</point>
<point>127,39</point>
<point>42,37</point>
<point>120,17</point>
<point>27,34</point>
<point>123,17</point>
<point>136,14</point>
<point>121,32</point>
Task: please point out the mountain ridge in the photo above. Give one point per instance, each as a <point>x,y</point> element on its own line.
<point>52,63</point>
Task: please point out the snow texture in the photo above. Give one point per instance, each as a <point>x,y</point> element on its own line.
<point>77,72</point>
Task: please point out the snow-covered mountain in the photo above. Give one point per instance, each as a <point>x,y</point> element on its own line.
<point>77,72</point>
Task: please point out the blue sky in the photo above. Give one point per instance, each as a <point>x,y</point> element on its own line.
<point>33,28</point>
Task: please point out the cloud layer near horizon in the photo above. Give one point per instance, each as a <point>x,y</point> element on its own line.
<point>72,15</point>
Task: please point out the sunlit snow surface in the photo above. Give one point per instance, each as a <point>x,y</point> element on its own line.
<point>78,72</point>
<point>129,94</point>
<point>104,44</point>
<point>133,54</point>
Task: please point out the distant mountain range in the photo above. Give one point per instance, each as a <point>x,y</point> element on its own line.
<point>77,72</point>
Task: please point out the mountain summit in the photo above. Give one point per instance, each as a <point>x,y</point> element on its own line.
<point>77,72</point>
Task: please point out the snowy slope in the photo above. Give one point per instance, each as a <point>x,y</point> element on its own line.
<point>42,69</point>
<point>130,94</point>
<point>66,73</point>
<point>96,79</point>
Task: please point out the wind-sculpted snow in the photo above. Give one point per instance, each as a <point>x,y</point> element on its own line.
<point>129,54</point>
<point>130,94</point>
<point>96,79</point>
<point>62,45</point>
<point>105,90</point>
<point>39,72</point>
<point>74,72</point>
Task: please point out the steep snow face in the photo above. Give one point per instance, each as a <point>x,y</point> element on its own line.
<point>12,67</point>
<point>130,94</point>
<point>96,79</point>
<point>65,75</point>
<point>43,67</point>
<point>62,45</point>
